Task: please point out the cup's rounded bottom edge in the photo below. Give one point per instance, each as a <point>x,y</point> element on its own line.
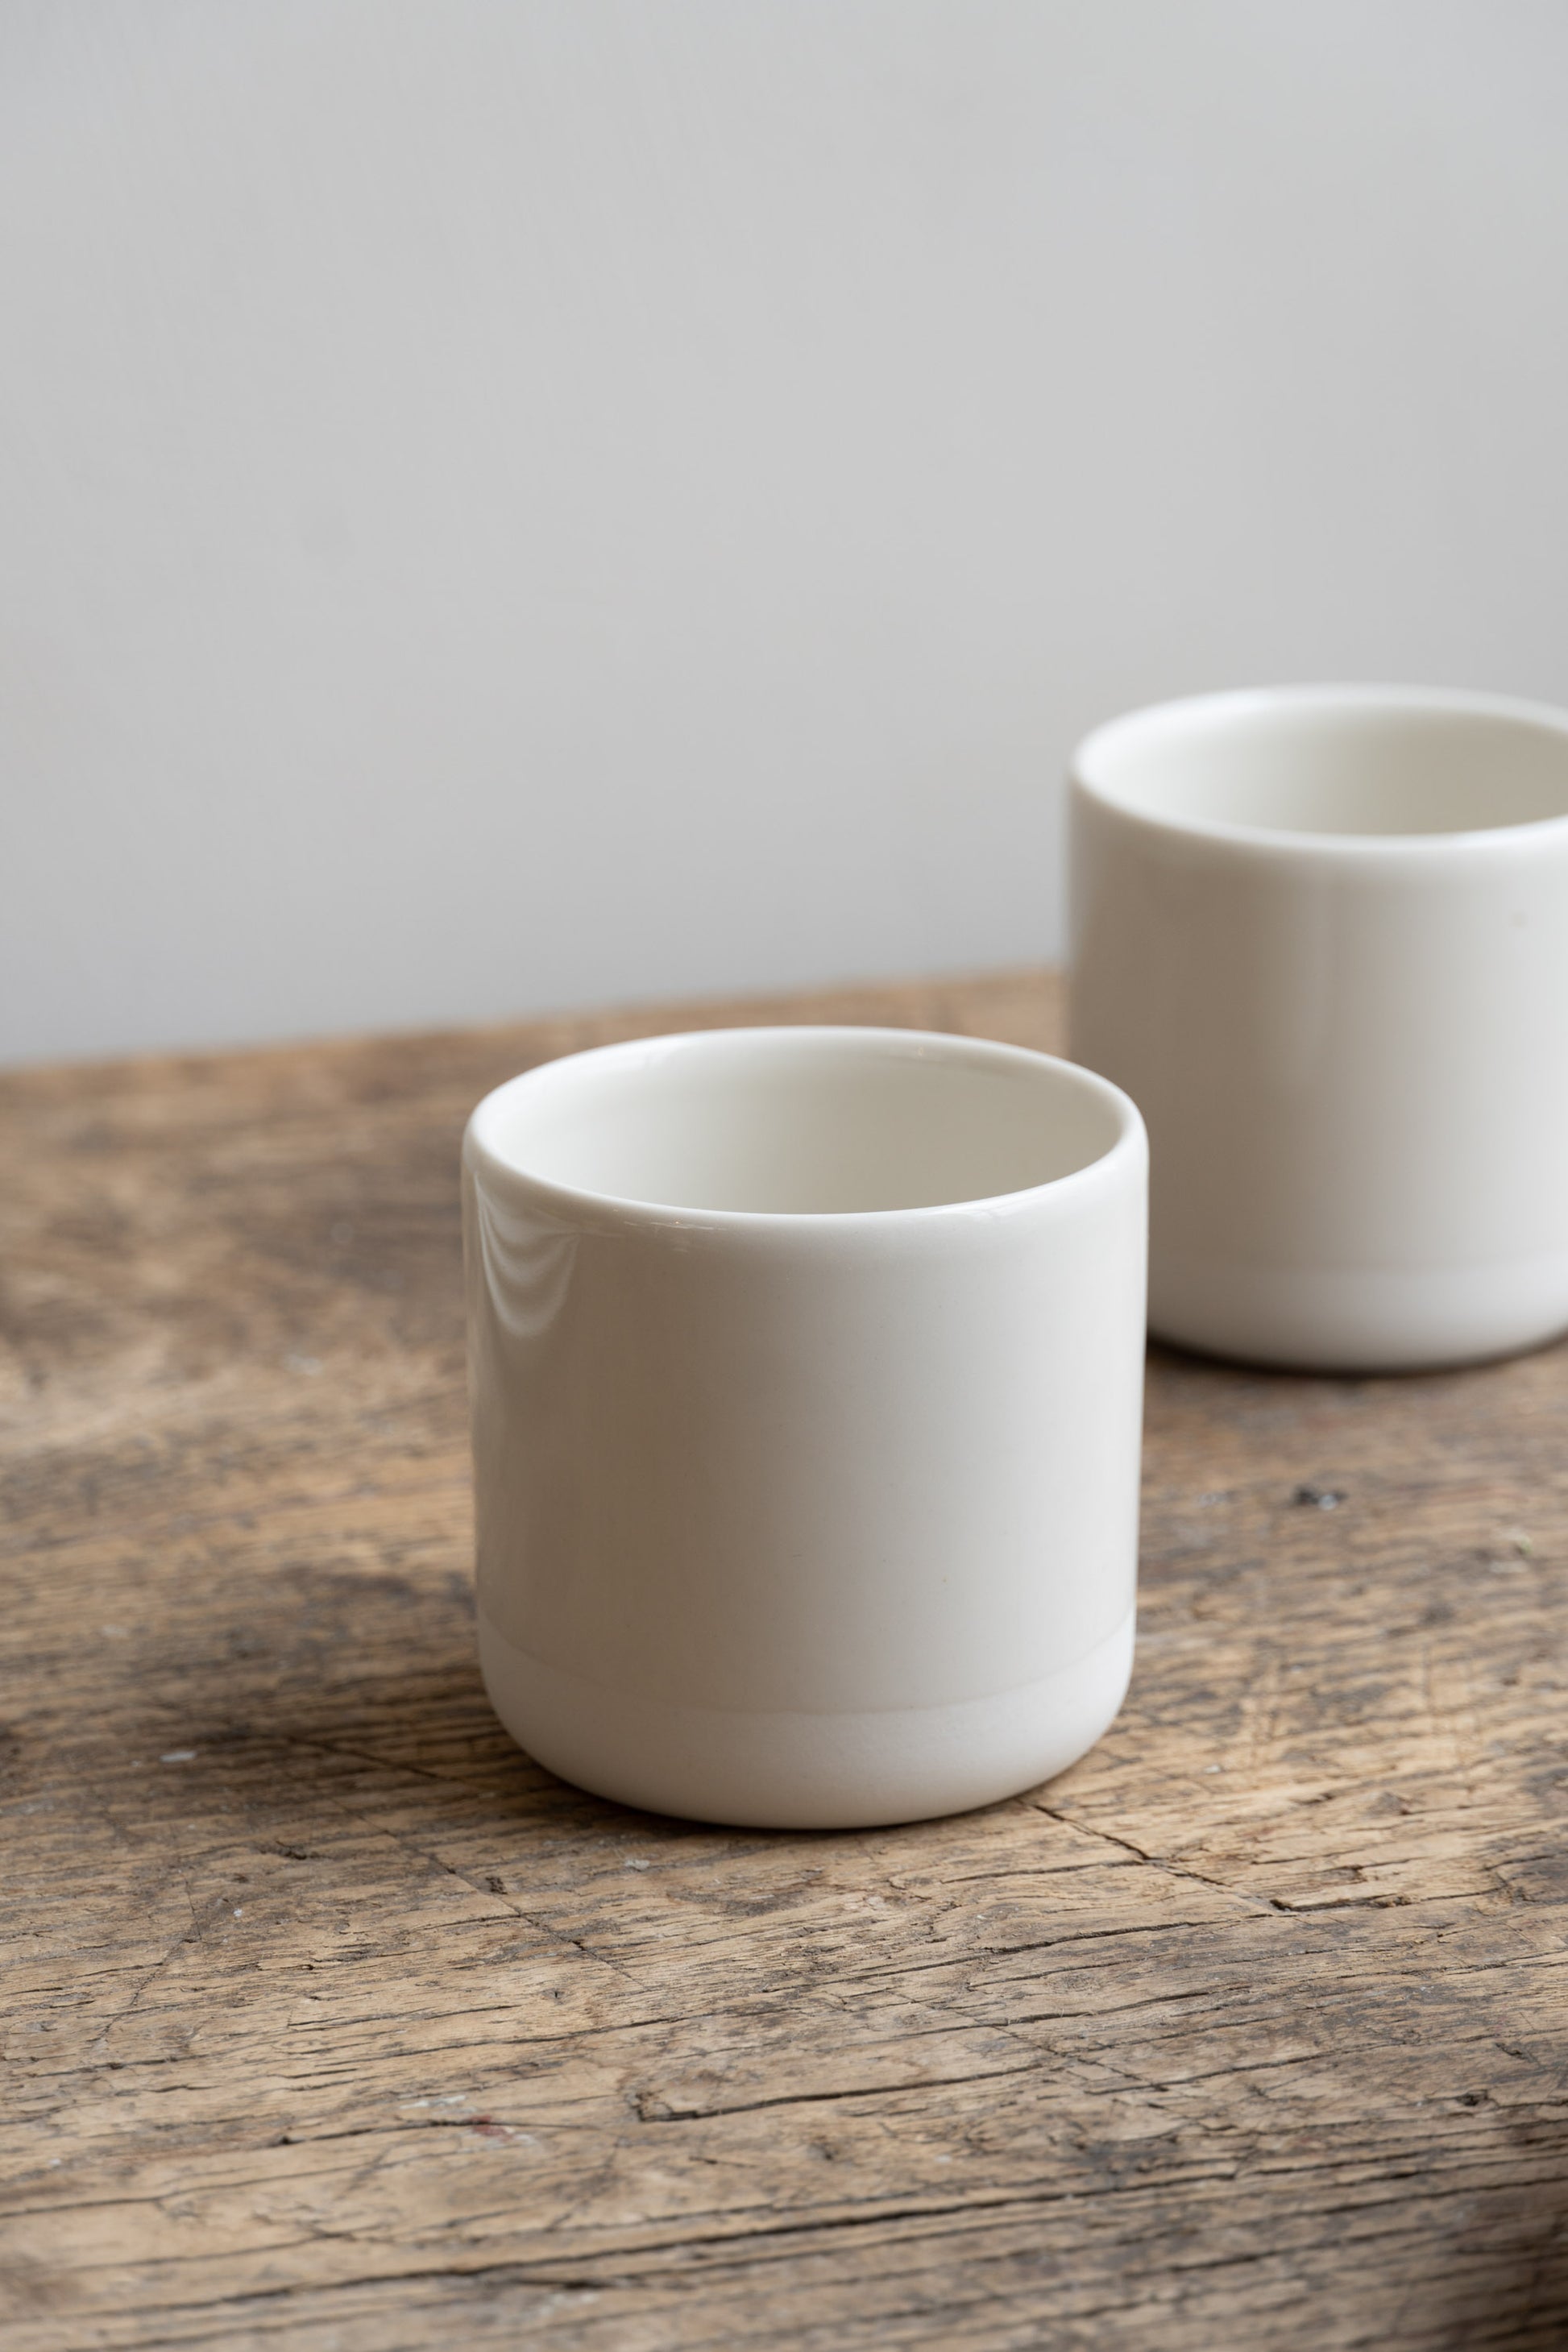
<point>1358,1320</point>
<point>794,1771</point>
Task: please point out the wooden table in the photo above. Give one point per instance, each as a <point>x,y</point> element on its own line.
<point>332,2023</point>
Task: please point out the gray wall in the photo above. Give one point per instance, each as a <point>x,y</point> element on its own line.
<point>512,503</point>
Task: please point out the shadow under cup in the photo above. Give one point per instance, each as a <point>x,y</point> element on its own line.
<point>1320,935</point>
<point>806,1374</point>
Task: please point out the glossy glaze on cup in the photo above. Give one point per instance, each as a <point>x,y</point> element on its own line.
<point>806,1373</point>
<point>1320,936</point>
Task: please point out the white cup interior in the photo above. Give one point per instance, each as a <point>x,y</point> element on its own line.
<point>1334,761</point>
<point>802,1122</point>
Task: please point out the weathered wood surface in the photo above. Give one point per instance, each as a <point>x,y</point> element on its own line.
<point>331,2021</point>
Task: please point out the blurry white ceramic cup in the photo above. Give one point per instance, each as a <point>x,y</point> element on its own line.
<point>806,1374</point>
<point>1320,936</point>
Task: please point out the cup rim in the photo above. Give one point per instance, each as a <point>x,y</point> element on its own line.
<point>1154,716</point>
<point>579,1204</point>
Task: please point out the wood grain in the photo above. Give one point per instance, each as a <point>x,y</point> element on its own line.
<point>331,2022</point>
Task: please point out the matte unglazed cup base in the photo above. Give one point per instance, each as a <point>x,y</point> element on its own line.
<point>792,1771</point>
<point>1361,1320</point>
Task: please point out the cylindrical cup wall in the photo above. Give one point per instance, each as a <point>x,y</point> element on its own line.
<point>805,1519</point>
<point>1351,1049</point>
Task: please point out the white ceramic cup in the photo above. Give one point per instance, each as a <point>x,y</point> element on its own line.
<point>1320,936</point>
<point>806,1373</point>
